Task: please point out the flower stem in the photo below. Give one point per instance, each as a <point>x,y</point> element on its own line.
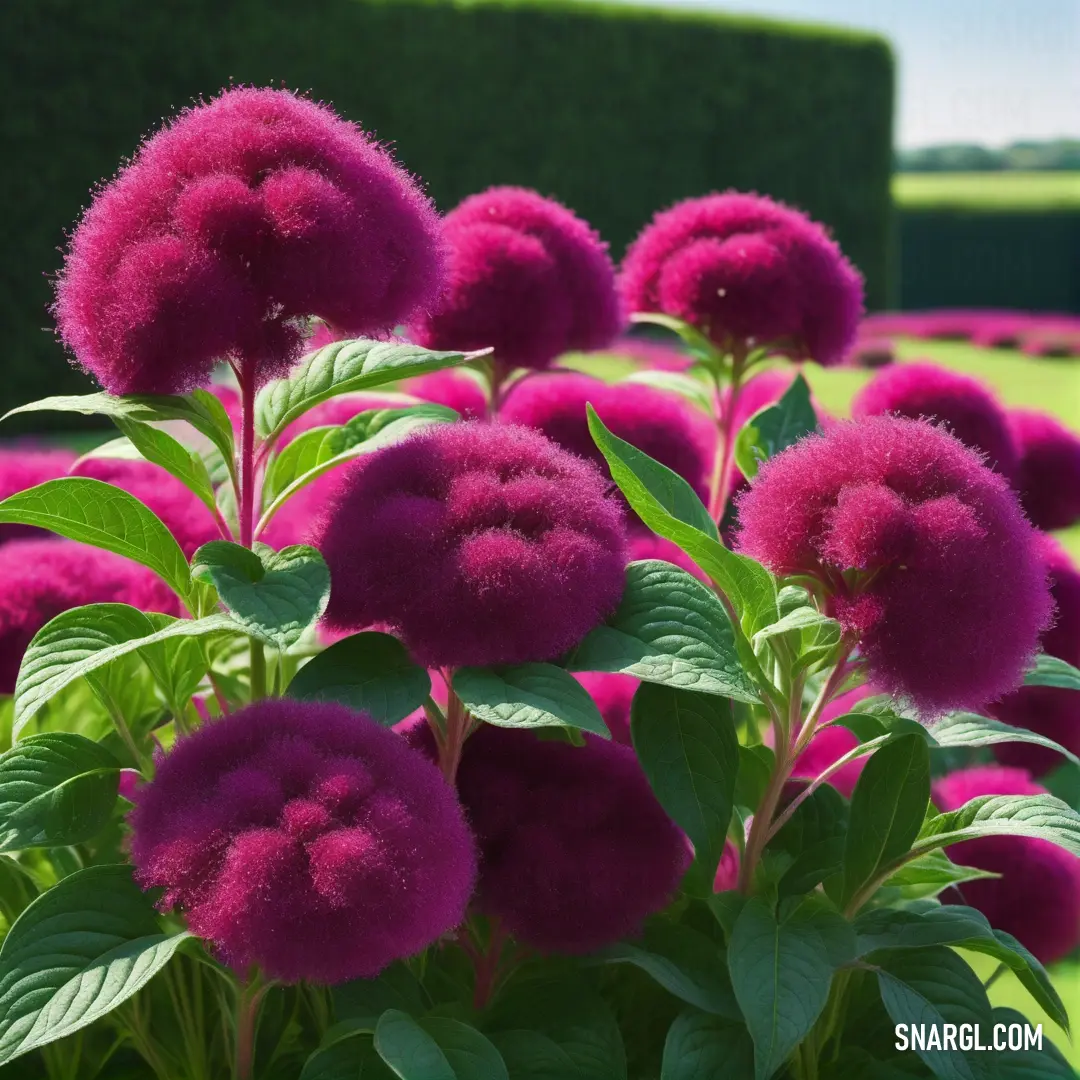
<point>247,460</point>
<point>457,731</point>
<point>247,1020</point>
<point>725,448</point>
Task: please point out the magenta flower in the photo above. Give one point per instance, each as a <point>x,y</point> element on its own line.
<point>525,276</point>
<point>613,694</point>
<point>305,838</point>
<point>1048,477</point>
<point>229,228</point>
<point>966,407</point>
<point>747,271</point>
<point>453,389</point>
<point>26,467</point>
<point>663,425</point>
<point>575,851</point>
<point>1037,897</point>
<point>923,553</point>
<point>1048,710</point>
<point>41,578</point>
<point>186,516</point>
<point>478,544</point>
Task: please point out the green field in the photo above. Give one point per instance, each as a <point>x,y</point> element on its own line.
<point>1035,191</point>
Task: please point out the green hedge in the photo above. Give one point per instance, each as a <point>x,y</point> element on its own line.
<point>616,110</point>
<point>952,257</point>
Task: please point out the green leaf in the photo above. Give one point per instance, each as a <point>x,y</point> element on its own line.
<point>274,595</point>
<point>933,987</point>
<point>1031,1063</point>
<point>76,953</point>
<point>175,458</point>
<point>100,514</point>
<point>56,789</point>
<point>1040,816</point>
<point>528,696</point>
<point>756,764</point>
<point>346,1057</point>
<point>684,962</point>
<point>409,1050</point>
<point>781,972</point>
<point>1027,969</point>
<point>671,508</point>
<point>932,874</point>
<point>370,672</point>
<point>315,452</point>
<point>887,809</point>
<point>698,344</point>
<point>802,618</point>
<point>82,640</point>
<point>687,745</point>
<point>201,409</point>
<point>1050,671</point>
<point>676,382</point>
<point>668,629</point>
<point>471,1055</point>
<point>775,428</point>
<point>557,1029</point>
<point>700,1047</point>
<point>341,368</point>
<point>967,729</point>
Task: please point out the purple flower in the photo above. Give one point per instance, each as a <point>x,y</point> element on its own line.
<point>747,271</point>
<point>1048,710</point>
<point>966,407</point>
<point>923,553</point>
<point>453,389</point>
<point>184,513</point>
<point>305,838</point>
<point>663,425</point>
<point>575,851</point>
<point>26,467</point>
<point>526,276</point>
<point>1037,897</point>
<point>613,695</point>
<point>478,544</point>
<point>41,578</point>
<point>1048,478</point>
<point>229,228</point>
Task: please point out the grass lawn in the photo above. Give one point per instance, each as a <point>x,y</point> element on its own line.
<point>1036,191</point>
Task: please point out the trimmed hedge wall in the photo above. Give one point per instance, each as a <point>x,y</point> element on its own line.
<point>951,257</point>
<point>615,110</point>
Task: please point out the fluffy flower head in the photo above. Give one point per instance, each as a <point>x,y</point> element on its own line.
<point>41,578</point>
<point>525,276</point>
<point>229,228</point>
<point>747,270</point>
<point>966,407</point>
<point>663,425</point>
<point>924,552</point>
<point>478,544</point>
<point>1037,897</point>
<point>575,851</point>
<point>305,838</point>
<point>1048,477</point>
<point>22,468</point>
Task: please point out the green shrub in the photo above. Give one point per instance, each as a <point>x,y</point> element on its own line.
<point>615,110</point>
<point>990,240</point>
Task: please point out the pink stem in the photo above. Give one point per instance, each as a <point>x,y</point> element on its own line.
<point>725,451</point>
<point>247,461</point>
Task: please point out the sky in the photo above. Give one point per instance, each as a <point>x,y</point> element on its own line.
<point>982,71</point>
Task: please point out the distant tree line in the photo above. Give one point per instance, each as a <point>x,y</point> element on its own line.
<point>1054,155</point>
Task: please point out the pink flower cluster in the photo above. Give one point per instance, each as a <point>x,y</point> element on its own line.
<point>478,544</point>
<point>526,276</point>
<point>919,549</point>
<point>748,272</point>
<point>1035,333</point>
<point>228,229</point>
<point>305,838</point>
